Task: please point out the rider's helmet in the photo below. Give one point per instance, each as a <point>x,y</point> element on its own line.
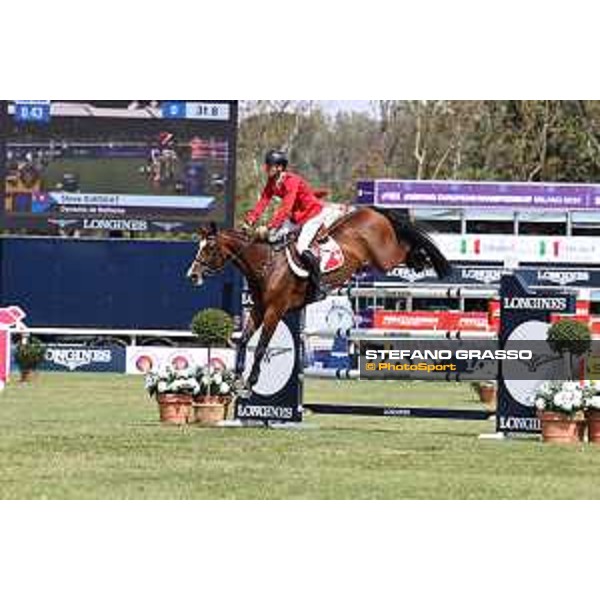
<point>276,158</point>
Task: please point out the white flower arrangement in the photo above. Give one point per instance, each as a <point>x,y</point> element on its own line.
<point>169,380</point>
<point>593,401</point>
<point>203,381</point>
<point>216,382</point>
<point>567,397</point>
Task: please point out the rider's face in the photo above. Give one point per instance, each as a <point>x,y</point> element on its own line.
<point>272,170</point>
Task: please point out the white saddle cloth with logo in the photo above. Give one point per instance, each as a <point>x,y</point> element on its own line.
<point>331,256</point>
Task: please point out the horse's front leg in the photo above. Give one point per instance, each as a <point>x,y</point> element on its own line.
<point>250,327</point>
<point>269,325</point>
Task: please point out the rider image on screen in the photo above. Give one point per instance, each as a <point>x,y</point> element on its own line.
<point>163,160</point>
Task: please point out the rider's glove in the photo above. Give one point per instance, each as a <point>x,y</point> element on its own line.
<point>274,236</point>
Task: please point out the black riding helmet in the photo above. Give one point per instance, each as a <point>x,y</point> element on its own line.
<point>276,157</point>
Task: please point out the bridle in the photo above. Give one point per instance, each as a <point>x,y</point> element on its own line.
<point>207,269</point>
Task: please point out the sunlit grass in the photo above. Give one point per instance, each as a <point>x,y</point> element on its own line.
<point>98,436</point>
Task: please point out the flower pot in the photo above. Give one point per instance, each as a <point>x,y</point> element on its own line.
<point>488,395</point>
<point>558,428</point>
<point>175,408</point>
<point>593,424</point>
<point>210,410</point>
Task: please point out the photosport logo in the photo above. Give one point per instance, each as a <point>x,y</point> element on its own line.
<point>76,358</point>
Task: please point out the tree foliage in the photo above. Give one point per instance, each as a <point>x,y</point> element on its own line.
<point>213,327</point>
<point>496,140</point>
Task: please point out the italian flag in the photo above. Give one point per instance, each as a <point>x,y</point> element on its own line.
<point>476,249</point>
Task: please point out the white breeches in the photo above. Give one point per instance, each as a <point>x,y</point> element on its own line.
<point>326,217</point>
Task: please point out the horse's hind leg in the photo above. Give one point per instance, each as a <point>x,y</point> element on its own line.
<point>269,325</point>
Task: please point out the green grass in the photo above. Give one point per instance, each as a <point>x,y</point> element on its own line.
<point>92,436</point>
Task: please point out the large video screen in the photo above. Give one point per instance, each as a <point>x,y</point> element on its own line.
<point>138,166</point>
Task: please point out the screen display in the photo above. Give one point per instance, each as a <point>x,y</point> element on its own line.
<point>117,165</point>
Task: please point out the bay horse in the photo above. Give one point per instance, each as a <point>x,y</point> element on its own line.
<point>368,237</point>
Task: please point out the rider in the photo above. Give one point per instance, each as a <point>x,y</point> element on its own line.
<point>299,207</point>
<point>162,152</point>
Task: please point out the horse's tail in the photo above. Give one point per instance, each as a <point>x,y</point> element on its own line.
<point>423,250</point>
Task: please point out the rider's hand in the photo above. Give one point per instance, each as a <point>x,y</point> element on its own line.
<point>246,227</point>
<point>261,233</point>
<point>274,236</point>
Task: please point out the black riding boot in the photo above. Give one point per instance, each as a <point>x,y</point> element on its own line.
<point>315,293</point>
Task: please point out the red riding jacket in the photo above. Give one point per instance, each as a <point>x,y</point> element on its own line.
<point>298,201</point>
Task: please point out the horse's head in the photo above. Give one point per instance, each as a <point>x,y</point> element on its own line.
<point>211,258</point>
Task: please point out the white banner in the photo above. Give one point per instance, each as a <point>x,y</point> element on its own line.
<point>525,248</point>
<point>130,201</point>
<point>141,359</point>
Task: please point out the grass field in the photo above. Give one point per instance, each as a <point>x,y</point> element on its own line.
<point>97,436</point>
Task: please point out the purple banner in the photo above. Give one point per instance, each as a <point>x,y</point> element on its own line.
<point>450,194</point>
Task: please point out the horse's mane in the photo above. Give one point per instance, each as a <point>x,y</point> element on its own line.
<point>238,234</point>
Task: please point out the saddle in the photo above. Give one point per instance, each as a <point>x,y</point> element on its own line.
<point>324,247</point>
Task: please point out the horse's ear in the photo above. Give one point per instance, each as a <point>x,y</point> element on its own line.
<point>213,229</point>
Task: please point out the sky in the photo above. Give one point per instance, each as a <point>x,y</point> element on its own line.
<point>334,106</point>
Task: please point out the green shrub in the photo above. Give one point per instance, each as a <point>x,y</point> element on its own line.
<point>569,336</point>
<point>213,327</point>
<point>30,354</point>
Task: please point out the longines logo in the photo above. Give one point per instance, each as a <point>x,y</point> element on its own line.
<point>273,353</point>
<point>268,411</point>
<point>483,275</point>
<point>116,224</point>
<point>563,277</point>
<point>533,303</point>
<point>410,275</point>
<point>519,423</point>
<point>73,358</point>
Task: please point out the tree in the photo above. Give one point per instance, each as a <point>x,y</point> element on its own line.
<point>506,140</point>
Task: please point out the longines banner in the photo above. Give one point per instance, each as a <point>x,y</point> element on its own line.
<point>277,396</point>
<point>468,274</point>
<point>133,360</point>
<point>98,359</point>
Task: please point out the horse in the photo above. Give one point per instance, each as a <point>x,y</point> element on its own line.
<point>367,237</point>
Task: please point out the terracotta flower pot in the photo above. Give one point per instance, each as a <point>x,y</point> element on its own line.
<point>593,424</point>
<point>210,410</point>
<point>558,428</point>
<point>175,408</point>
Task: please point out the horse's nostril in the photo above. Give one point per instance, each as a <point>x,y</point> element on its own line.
<point>193,278</point>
